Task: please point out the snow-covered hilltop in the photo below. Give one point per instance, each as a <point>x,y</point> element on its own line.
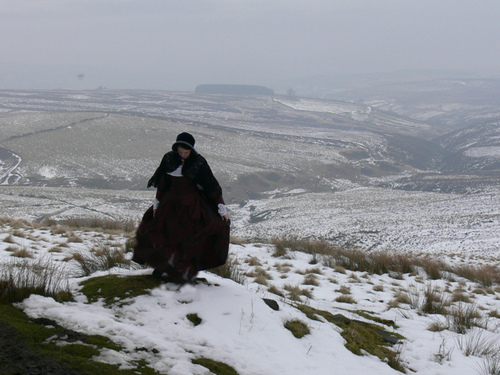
<point>346,184</point>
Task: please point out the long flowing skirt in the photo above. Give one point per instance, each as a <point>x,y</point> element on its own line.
<point>185,235</point>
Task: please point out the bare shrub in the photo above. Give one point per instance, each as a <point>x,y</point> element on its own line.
<point>262,280</point>
<point>55,249</point>
<point>283,267</point>
<point>19,224</point>
<point>237,241</point>
<point>21,278</point>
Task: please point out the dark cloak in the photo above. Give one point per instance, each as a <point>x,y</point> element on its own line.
<point>186,234</point>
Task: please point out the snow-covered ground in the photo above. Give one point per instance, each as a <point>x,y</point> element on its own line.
<point>368,218</point>
<point>239,329</point>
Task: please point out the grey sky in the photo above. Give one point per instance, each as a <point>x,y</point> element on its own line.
<point>177,44</point>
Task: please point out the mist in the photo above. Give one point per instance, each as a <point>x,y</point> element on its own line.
<point>176,45</point>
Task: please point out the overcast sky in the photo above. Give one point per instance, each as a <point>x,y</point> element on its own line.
<point>177,44</point>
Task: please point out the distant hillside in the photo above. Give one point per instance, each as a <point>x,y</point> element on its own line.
<point>233,90</point>
<point>473,149</point>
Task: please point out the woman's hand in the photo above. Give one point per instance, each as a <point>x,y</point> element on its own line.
<point>225,217</point>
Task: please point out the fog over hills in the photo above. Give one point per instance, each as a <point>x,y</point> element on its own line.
<point>277,158</point>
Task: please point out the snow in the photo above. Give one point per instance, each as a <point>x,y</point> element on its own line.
<point>481,152</point>
<point>238,328</point>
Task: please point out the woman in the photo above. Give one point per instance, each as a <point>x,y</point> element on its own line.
<point>187,228</point>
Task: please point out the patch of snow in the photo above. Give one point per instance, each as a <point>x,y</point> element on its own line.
<point>481,152</point>
<point>48,172</point>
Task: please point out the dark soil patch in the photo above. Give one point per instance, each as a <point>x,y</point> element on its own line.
<point>18,359</point>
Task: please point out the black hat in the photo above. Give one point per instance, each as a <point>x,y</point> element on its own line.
<point>184,139</point>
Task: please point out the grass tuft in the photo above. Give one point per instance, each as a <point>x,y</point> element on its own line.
<point>215,367</point>
<point>100,259</point>
<point>298,328</point>
<point>230,270</point>
<point>21,278</point>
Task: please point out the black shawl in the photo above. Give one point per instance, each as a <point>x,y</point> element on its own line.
<point>195,167</point>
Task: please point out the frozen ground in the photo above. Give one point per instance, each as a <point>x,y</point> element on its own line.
<point>239,329</point>
<point>308,168</point>
<point>367,218</point>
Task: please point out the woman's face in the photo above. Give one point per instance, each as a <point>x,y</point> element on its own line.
<point>183,152</point>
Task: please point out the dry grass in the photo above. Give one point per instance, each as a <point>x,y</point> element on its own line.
<point>99,259</point>
<point>344,290</point>
<point>385,262</point>
<point>94,223</point>
<point>295,292</point>
<point>254,261</point>
<point>23,253</point>
<point>475,343</point>
<point>378,288</point>
<point>72,238</point>
<point>465,316</point>
<point>10,239</point>
<point>21,278</point>
<point>230,270</point>
<point>435,301</point>
<point>311,279</point>
<point>345,299</point>
<point>275,290</point>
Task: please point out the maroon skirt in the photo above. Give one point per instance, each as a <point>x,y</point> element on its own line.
<point>186,234</point>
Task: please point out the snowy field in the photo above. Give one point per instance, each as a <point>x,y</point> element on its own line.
<point>237,328</point>
<point>436,224</point>
<point>309,169</point>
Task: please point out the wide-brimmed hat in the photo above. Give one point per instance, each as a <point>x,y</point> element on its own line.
<point>184,139</point>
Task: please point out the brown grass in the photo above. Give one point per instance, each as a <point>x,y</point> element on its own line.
<point>23,253</point>
<point>21,278</point>
<point>127,226</point>
<point>385,262</point>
